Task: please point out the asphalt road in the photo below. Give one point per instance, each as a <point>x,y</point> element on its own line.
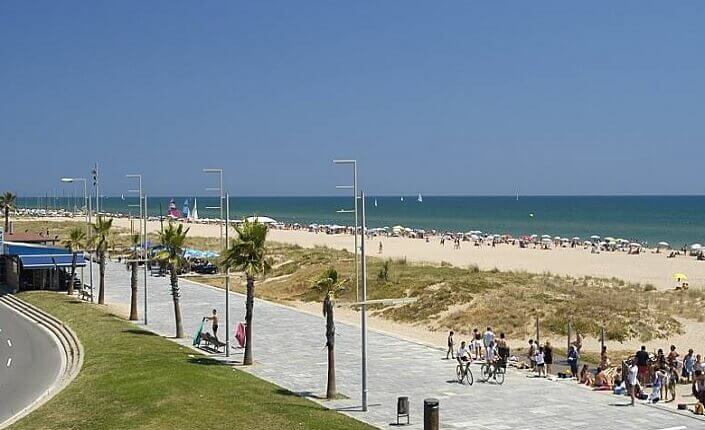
<point>30,361</point>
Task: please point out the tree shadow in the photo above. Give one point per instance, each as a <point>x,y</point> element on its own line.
<point>205,361</point>
<point>139,332</point>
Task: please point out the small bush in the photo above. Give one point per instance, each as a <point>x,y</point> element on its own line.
<point>649,287</point>
<point>473,268</point>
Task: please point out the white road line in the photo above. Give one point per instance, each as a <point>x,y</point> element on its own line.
<point>674,428</point>
<point>9,343</point>
<point>9,361</point>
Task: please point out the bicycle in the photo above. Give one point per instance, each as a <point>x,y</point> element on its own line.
<point>494,371</point>
<point>464,374</point>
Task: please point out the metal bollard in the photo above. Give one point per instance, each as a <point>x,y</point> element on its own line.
<point>430,414</point>
<point>403,408</point>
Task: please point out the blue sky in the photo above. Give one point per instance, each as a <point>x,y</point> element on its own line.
<point>452,97</point>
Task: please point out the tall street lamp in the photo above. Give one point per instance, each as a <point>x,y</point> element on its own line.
<point>87,203</point>
<point>224,244</point>
<point>362,300</point>
<point>143,232</point>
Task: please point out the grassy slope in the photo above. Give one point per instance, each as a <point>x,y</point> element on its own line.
<point>132,379</point>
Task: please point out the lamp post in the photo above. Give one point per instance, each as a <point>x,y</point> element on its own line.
<point>363,299</point>
<point>87,203</point>
<point>224,244</point>
<point>143,232</point>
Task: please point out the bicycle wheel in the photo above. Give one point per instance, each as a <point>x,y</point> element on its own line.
<point>468,376</point>
<point>459,373</point>
<point>499,376</point>
<point>484,373</point>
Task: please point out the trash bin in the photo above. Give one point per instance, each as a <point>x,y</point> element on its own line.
<point>430,414</point>
<point>403,408</point>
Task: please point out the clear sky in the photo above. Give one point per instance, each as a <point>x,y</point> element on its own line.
<point>442,97</point>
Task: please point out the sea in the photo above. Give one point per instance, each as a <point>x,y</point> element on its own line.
<point>678,220</point>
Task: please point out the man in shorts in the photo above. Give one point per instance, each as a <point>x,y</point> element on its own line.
<point>642,363</point>
<point>487,339</point>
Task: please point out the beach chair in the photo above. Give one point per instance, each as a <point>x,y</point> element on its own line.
<point>211,343</point>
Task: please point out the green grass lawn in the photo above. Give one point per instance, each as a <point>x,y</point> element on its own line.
<point>132,379</point>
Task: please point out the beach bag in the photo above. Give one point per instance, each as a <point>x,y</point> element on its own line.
<point>698,409</point>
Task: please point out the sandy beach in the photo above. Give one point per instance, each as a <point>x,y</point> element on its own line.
<point>644,268</point>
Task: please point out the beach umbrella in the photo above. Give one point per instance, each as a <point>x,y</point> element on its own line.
<point>609,239</point>
<point>557,238</point>
<point>663,245</point>
<point>576,238</point>
<point>595,237</point>
<point>679,277</point>
<point>635,245</point>
<point>546,240</point>
<point>545,236</point>
<point>695,246</point>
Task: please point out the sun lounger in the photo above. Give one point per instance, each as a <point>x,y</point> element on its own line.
<point>210,342</point>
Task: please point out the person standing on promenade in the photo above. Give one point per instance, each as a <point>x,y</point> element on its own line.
<point>688,365</point>
<point>531,355</point>
<point>477,343</point>
<point>632,380</point>
<point>548,357</point>
<point>488,338</point>
<point>451,343</point>
<point>642,363</point>
<point>214,319</point>
<point>573,361</point>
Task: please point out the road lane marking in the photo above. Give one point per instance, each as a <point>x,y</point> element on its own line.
<point>9,343</point>
<point>9,361</point>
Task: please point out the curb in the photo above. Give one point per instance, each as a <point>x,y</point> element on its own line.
<point>65,338</point>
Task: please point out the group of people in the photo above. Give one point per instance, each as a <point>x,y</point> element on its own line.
<point>494,350</point>
<point>663,372</point>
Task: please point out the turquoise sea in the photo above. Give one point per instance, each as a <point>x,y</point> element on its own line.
<point>675,219</point>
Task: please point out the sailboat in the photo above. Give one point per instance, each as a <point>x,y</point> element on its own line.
<point>194,212</point>
<point>517,193</point>
<point>420,199</point>
<point>402,198</point>
<point>375,202</point>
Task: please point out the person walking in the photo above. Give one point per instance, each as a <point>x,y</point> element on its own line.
<point>488,337</point>
<point>451,343</point>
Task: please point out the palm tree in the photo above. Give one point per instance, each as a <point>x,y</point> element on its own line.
<point>133,266</point>
<point>7,202</point>
<point>172,239</point>
<point>101,235</point>
<point>248,253</point>
<point>329,283</point>
<point>76,241</point>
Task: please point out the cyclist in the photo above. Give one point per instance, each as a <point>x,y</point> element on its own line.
<point>491,356</point>
<point>463,355</point>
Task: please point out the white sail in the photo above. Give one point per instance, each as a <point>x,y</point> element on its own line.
<point>402,198</point>
<point>375,202</point>
<point>194,212</point>
<point>420,199</point>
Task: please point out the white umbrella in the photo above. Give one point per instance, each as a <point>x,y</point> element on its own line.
<point>634,245</point>
<point>695,246</point>
<point>576,238</point>
<point>545,236</point>
<point>595,237</point>
<point>261,219</point>
<point>663,245</point>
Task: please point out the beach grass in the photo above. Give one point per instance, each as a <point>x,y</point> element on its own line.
<point>133,379</point>
<point>449,297</point>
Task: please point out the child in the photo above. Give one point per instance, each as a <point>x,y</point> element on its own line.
<point>688,365</point>
<point>450,346</point>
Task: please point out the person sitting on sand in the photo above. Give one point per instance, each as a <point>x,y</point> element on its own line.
<point>602,380</point>
<point>586,376</point>
<point>604,360</point>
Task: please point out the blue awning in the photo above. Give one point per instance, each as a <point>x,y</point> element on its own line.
<point>49,261</point>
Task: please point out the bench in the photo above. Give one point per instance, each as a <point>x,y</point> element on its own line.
<point>210,342</point>
<point>85,293</point>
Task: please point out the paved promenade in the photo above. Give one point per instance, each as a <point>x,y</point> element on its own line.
<point>289,351</point>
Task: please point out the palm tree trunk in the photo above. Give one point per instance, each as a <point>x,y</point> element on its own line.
<point>331,391</point>
<point>7,219</point>
<point>73,273</point>
<point>101,289</point>
<point>133,288</point>
<point>249,307</point>
<point>177,308</point>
